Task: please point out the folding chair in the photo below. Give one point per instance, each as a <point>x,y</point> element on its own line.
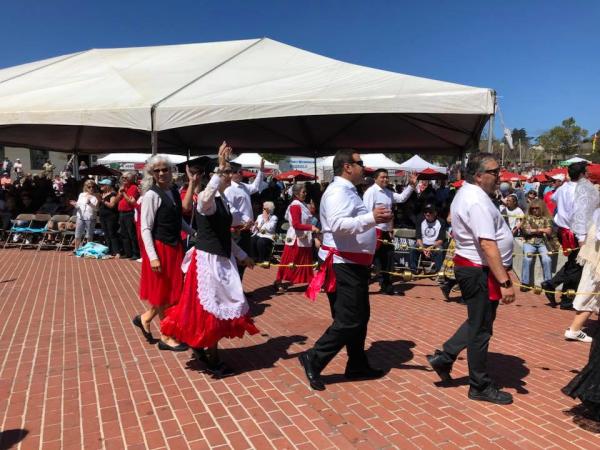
<point>403,237</point>
<point>37,228</point>
<point>49,237</point>
<point>16,231</point>
<point>66,236</point>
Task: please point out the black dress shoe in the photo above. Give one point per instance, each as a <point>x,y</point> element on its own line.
<point>388,290</point>
<point>314,378</point>
<point>446,288</point>
<point>525,288</point>
<point>137,321</point>
<point>548,286</point>
<point>491,394</point>
<point>364,373</point>
<point>441,367</point>
<point>200,354</point>
<point>566,305</point>
<point>178,348</point>
<point>220,370</point>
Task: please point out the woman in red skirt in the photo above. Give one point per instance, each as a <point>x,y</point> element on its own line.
<point>298,242</point>
<point>160,223</point>
<point>212,305</point>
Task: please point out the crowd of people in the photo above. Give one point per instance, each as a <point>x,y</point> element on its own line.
<point>195,242</point>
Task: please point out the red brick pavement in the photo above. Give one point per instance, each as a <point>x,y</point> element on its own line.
<point>75,373</point>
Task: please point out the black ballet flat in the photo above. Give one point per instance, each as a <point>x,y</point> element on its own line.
<point>137,321</point>
<point>200,354</point>
<point>220,370</point>
<point>178,348</point>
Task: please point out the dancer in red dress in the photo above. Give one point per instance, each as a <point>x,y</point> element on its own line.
<point>298,243</point>
<point>161,223</point>
<point>212,305</point>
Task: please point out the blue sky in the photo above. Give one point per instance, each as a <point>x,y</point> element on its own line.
<point>541,56</point>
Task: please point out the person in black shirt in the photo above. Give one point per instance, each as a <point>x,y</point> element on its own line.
<point>109,216</point>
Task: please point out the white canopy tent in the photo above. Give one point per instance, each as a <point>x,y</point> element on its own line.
<point>120,158</point>
<point>371,160</point>
<point>572,160</point>
<point>252,161</point>
<point>259,94</point>
<point>418,164</point>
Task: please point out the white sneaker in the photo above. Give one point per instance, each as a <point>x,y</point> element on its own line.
<point>577,336</point>
<point>139,260</point>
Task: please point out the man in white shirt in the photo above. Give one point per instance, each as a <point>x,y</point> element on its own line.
<point>238,196</point>
<point>570,273</point>
<point>483,256</point>
<point>349,241</point>
<point>379,194</point>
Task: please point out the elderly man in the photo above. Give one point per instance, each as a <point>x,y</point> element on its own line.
<point>380,195</point>
<point>484,247</point>
<point>127,199</point>
<point>238,196</point>
<point>349,241</point>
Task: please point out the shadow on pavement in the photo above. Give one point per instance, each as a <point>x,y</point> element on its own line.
<point>9,438</point>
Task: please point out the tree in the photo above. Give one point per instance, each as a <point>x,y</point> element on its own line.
<point>273,157</point>
<point>563,139</point>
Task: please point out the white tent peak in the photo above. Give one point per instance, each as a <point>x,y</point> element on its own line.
<point>252,160</point>
<point>418,164</point>
<point>370,160</point>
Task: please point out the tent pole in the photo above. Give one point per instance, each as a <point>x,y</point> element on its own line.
<point>315,162</point>
<point>76,166</point>
<point>154,142</point>
<point>490,133</point>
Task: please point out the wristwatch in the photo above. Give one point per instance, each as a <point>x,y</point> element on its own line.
<point>506,284</point>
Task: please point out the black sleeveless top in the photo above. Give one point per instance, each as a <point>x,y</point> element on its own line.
<point>214,232</point>
<point>167,221</point>
<point>106,212</point>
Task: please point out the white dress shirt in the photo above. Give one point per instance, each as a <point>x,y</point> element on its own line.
<point>564,197</point>
<point>377,195</point>
<point>238,196</point>
<point>346,222</point>
<point>475,217</point>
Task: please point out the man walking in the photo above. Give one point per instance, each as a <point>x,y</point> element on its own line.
<point>484,247</point>
<point>349,240</point>
<point>379,194</point>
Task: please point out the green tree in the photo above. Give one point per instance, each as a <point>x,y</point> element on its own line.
<point>564,139</point>
<point>273,157</point>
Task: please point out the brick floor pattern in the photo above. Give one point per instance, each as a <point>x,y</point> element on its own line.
<point>75,373</point>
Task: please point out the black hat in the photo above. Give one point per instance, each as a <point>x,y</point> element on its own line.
<point>199,162</point>
<point>429,208</point>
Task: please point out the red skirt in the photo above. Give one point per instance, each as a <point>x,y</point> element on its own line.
<point>188,321</point>
<point>162,288</point>
<point>299,256</point>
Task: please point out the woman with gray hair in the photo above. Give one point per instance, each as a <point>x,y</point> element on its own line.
<point>298,243</point>
<point>264,233</point>
<point>161,224</point>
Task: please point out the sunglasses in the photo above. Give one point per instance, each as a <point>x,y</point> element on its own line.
<point>164,170</point>
<point>360,163</point>
<point>495,172</point>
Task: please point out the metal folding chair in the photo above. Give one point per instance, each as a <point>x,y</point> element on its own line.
<point>16,232</point>
<point>50,237</point>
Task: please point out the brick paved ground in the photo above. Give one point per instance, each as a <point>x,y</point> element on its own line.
<point>74,372</point>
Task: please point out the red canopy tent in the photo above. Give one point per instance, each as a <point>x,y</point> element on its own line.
<point>297,175</point>
<point>559,170</point>
<point>540,177</point>
<point>594,173</point>
<point>458,183</point>
<point>431,174</point>
<point>505,175</point>
<point>247,173</point>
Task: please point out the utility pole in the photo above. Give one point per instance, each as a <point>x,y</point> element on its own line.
<point>520,155</point>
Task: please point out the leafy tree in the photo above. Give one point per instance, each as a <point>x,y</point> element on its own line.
<point>563,139</point>
<point>273,157</point>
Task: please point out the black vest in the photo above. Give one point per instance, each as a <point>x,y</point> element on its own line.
<point>167,221</point>
<point>214,231</point>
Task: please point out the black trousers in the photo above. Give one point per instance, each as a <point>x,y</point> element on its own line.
<point>110,226</point>
<point>384,260</point>
<point>350,310</point>
<point>245,243</point>
<point>261,248</point>
<point>475,333</point>
<point>128,235</point>
<point>569,275</point>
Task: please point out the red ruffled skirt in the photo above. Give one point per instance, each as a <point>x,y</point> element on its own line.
<point>299,256</point>
<point>162,288</point>
<point>188,321</point>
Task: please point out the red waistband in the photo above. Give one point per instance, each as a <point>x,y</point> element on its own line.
<point>461,261</point>
<point>364,259</point>
<point>493,286</point>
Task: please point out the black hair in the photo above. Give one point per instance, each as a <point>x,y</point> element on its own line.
<point>476,165</point>
<point>342,157</point>
<point>378,171</point>
<point>576,170</point>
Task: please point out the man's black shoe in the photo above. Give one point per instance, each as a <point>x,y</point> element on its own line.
<point>446,288</point>
<point>388,290</point>
<point>491,394</point>
<point>566,305</point>
<point>314,378</point>
<point>441,367</point>
<point>364,373</point>
<point>548,286</point>
<point>525,288</point>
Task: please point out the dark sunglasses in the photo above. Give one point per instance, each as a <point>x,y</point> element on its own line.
<point>495,172</point>
<point>360,163</point>
<point>165,170</point>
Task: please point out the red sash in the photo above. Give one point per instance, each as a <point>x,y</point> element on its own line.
<point>325,277</point>
<point>493,284</point>
<point>567,240</point>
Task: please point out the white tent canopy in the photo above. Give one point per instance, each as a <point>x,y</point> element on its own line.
<point>120,158</point>
<point>418,164</point>
<point>572,160</point>
<point>371,160</point>
<point>259,94</point>
<point>252,161</point>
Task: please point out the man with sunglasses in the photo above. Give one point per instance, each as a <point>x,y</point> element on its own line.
<point>349,241</point>
<point>239,197</point>
<point>483,257</point>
